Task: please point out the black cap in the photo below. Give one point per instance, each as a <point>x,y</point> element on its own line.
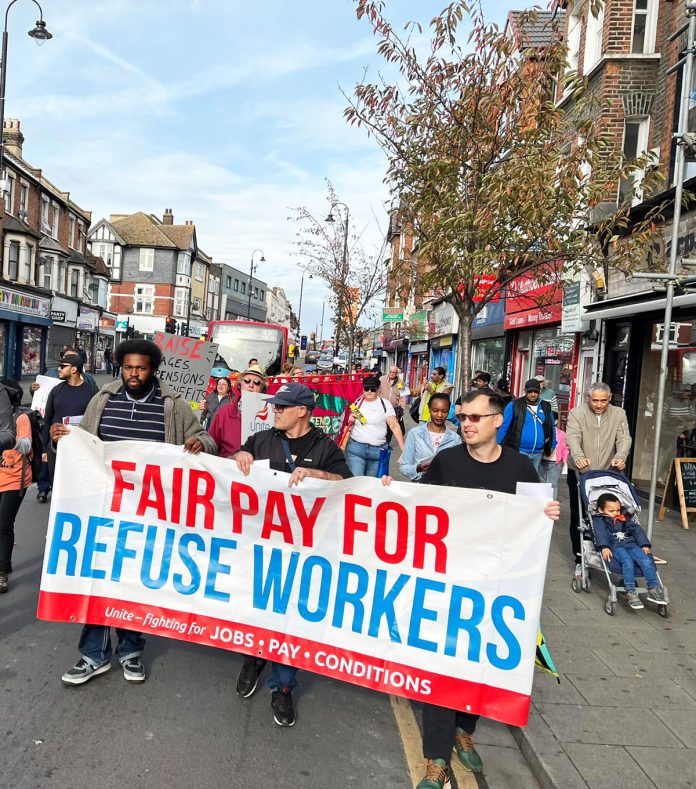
<point>532,385</point>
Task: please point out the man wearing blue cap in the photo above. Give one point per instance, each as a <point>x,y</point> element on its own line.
<point>293,445</point>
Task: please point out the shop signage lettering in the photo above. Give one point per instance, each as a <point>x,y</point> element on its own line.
<point>105,322</point>
<point>87,319</point>
<point>24,302</point>
<point>58,316</point>
<point>392,315</point>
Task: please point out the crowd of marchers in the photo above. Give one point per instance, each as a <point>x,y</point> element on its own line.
<point>485,439</point>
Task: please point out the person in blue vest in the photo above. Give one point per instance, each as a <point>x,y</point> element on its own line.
<point>528,425</point>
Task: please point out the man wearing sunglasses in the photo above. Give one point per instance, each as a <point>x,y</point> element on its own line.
<point>295,446</point>
<point>226,427</point>
<point>66,403</point>
<point>479,463</point>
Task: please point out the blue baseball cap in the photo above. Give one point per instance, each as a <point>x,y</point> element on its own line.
<point>293,394</point>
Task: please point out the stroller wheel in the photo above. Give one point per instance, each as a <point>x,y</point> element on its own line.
<point>662,611</point>
<point>609,607</point>
<point>588,585</point>
<point>575,583</point>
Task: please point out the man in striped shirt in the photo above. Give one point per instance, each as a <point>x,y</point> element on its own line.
<point>139,407</point>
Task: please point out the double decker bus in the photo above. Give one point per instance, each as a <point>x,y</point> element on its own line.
<point>239,341</point>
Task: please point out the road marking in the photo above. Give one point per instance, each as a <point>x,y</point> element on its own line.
<point>413,746</point>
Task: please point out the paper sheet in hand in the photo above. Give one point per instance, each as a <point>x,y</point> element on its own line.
<point>537,490</point>
<point>38,401</point>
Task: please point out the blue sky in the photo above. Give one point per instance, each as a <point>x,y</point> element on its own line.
<point>229,112</point>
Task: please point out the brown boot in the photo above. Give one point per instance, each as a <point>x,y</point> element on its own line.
<point>3,582</point>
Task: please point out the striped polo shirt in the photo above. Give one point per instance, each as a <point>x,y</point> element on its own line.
<point>127,419</point>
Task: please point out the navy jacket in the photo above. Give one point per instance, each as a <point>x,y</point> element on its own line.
<point>610,533</point>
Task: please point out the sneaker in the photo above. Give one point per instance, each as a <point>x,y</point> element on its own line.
<point>634,601</point>
<point>468,755</point>
<point>133,669</point>
<point>82,671</point>
<point>42,496</point>
<point>656,595</point>
<point>283,707</point>
<point>4,583</point>
<point>437,775</point>
<point>248,678</point>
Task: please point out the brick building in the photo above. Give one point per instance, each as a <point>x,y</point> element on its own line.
<point>52,290</point>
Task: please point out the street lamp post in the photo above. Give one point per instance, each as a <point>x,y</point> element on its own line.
<point>252,269</point>
<point>299,309</point>
<point>40,34</point>
<point>344,271</point>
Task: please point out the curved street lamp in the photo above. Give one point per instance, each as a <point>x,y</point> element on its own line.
<point>252,269</point>
<point>40,34</point>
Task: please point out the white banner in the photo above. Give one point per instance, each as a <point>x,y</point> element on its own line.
<point>435,597</point>
<point>256,413</point>
<point>40,398</point>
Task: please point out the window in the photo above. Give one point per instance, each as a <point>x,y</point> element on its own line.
<point>116,264</point>
<point>81,237</point>
<point>183,264</point>
<point>229,283</point>
<point>180,298</point>
<point>593,39</point>
<point>574,32</point>
<point>28,263</point>
<point>71,240</point>
<point>46,272</point>
<point>200,271</point>
<point>147,259</point>
<point>74,283</point>
<point>9,195</point>
<point>196,305</point>
<point>236,285</point>
<point>244,287</point>
<point>56,218</point>
<point>263,296</point>
<point>635,144</point>
<point>145,298</point>
<point>644,26</point>
<point>45,222</point>
<point>62,272</point>
<point>256,293</point>
<point>24,201</point>
<point>14,261</point>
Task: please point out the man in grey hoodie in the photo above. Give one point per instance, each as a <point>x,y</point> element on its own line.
<point>139,407</point>
<point>597,438</point>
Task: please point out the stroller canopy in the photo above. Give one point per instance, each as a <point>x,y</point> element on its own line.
<point>594,483</point>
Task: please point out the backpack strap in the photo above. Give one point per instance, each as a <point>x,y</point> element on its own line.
<point>288,456</point>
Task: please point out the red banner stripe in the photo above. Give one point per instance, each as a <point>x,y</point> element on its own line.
<point>502,705</point>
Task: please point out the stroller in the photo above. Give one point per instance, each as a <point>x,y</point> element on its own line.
<point>590,488</point>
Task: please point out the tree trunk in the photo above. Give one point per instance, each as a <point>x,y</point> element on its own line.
<point>463,380</point>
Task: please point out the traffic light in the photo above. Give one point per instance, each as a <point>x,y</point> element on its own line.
<point>170,325</point>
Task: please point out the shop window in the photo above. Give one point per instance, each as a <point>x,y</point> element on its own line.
<point>31,350</point>
<point>13,261</point>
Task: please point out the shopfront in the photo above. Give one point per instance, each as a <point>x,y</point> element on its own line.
<point>539,345</point>
<point>444,325</point>
<point>416,369</point>
<point>105,339</point>
<point>87,330</point>
<point>488,344</point>
<point>62,332</point>
<point>25,317</point>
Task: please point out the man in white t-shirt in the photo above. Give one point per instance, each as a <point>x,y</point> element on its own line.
<point>371,416</point>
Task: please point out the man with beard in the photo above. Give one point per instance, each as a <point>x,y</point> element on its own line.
<point>140,407</point>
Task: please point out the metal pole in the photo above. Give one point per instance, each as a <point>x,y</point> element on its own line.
<point>321,338</point>
<point>679,168</point>
<point>251,274</point>
<point>299,309</point>
<point>3,77</point>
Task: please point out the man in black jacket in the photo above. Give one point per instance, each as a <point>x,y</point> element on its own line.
<point>293,445</point>
<point>528,425</point>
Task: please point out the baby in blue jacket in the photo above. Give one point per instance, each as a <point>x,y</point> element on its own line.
<point>624,539</point>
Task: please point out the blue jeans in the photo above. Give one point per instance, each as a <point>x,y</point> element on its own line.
<point>95,644</point>
<point>282,676</point>
<point>535,457</point>
<point>625,556</point>
<point>362,459</point>
<point>551,472</point>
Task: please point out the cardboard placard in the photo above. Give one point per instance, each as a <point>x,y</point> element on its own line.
<point>186,365</point>
<point>683,472</point>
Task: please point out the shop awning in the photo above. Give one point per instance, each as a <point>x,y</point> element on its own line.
<point>632,305</point>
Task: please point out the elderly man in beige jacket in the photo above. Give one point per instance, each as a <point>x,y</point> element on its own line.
<point>597,438</point>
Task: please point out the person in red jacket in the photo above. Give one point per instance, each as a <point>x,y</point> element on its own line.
<point>226,427</point>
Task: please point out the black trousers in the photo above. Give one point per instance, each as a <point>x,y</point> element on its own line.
<point>439,728</point>
<point>574,502</point>
<point>10,501</point>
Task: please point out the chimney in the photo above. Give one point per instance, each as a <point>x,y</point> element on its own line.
<point>12,137</point>
<point>168,217</point>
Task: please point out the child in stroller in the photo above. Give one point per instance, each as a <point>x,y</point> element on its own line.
<point>600,540</point>
<point>623,538</point>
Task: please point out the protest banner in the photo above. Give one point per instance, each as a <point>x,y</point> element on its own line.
<point>435,598</point>
<point>186,365</point>
<point>40,398</point>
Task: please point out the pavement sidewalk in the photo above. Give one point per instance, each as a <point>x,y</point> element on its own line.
<point>625,711</point>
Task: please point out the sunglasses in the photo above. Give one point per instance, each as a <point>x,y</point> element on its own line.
<point>370,388</point>
<point>65,364</point>
<point>474,418</point>
<point>251,382</point>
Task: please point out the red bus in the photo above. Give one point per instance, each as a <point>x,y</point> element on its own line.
<point>239,341</point>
